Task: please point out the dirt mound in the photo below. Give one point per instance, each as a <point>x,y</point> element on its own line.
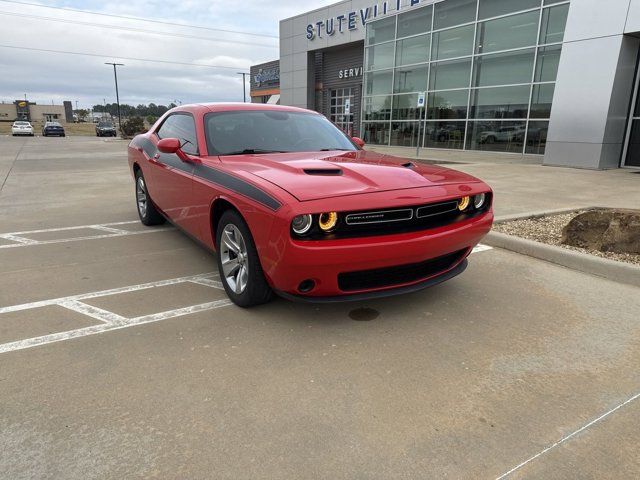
<point>605,230</point>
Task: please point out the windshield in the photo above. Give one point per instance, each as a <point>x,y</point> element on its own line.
<point>269,131</point>
<point>105,124</point>
<point>21,123</point>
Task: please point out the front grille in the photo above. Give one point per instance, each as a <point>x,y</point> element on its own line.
<point>401,274</point>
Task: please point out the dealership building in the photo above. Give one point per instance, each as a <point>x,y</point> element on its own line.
<point>31,111</point>
<point>544,77</point>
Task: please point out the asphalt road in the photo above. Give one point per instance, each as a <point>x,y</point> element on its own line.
<point>120,356</point>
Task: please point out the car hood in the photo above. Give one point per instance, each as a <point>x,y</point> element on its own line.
<point>316,175</point>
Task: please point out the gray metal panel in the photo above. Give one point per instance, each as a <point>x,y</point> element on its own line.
<point>633,18</point>
<point>595,18</point>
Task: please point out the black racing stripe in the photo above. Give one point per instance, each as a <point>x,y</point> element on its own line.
<point>237,185</point>
<point>210,174</point>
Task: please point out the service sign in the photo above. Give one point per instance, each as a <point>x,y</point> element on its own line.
<point>353,20</point>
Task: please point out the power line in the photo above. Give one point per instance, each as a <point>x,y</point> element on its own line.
<point>132,29</point>
<point>140,19</point>
<point>85,54</point>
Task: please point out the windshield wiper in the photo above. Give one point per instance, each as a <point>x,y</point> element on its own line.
<point>335,150</point>
<point>249,151</point>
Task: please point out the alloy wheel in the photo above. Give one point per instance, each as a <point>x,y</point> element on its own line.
<point>235,259</point>
<point>141,196</point>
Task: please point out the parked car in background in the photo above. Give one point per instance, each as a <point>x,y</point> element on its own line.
<point>53,129</point>
<point>21,127</point>
<point>105,129</point>
<point>504,134</point>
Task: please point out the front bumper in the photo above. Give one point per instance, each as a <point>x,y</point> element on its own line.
<point>323,261</point>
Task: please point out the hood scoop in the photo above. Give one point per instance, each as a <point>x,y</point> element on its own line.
<point>325,172</point>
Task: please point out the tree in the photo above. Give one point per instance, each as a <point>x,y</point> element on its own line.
<point>133,126</point>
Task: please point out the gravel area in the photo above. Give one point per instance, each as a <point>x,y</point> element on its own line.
<point>549,230</point>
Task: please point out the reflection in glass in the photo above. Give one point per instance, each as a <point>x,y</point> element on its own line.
<point>404,134</point>
<point>379,56</point>
<point>501,102</point>
<point>381,30</point>
<point>547,64</point>
<point>377,108</point>
<point>411,79</point>
<point>444,135</point>
<point>415,22</point>
<point>633,153</point>
<point>451,74</point>
<point>554,20</point>
<point>454,12</point>
<point>495,8</point>
<point>496,136</point>
<point>456,42</point>
<point>448,105</point>
<point>503,68</point>
<point>541,100</point>
<point>413,50</point>
<point>378,83</point>
<point>376,133</point>
<point>508,32</point>
<point>537,138</point>
<point>405,107</point>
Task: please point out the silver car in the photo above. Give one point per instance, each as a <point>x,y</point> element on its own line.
<point>21,127</point>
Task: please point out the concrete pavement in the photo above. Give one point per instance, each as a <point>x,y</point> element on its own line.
<point>470,379</point>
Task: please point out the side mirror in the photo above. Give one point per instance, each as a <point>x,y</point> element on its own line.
<point>169,145</point>
<point>358,141</point>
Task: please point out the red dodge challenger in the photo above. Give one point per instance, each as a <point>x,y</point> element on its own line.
<point>292,205</point>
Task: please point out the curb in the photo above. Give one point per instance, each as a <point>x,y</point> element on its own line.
<point>582,262</point>
<point>542,213</point>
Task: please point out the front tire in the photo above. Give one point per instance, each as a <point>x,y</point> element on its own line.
<point>238,262</point>
<point>147,211</point>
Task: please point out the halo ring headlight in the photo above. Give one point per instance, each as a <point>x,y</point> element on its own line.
<point>479,201</point>
<point>464,203</point>
<point>302,224</point>
<point>328,221</point>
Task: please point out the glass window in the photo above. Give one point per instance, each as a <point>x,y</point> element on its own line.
<point>415,22</point>
<point>411,79</point>
<point>379,56</point>
<point>378,83</point>
<point>405,107</point>
<point>633,153</point>
<point>376,133</point>
<point>381,30</point>
<point>537,138</point>
<point>451,74</point>
<point>554,20</point>
<point>456,42</point>
<point>444,135</point>
<point>541,100</point>
<point>377,108</point>
<point>495,8</point>
<point>507,33</point>
<point>548,61</point>
<point>182,127</point>
<point>502,102</point>
<point>454,12</point>
<point>496,136</point>
<point>503,68</point>
<point>404,134</point>
<point>413,50</point>
<point>451,104</point>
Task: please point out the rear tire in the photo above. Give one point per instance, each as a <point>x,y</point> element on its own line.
<point>147,211</point>
<point>238,262</point>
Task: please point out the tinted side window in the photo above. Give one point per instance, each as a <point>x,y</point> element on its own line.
<point>182,127</point>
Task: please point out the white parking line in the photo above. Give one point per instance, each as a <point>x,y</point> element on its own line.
<point>103,230</point>
<point>571,435</point>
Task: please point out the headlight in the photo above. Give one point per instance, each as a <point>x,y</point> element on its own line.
<point>302,224</point>
<point>479,200</point>
<point>463,203</point>
<point>328,221</point>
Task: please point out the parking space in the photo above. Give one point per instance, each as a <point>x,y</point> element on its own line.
<point>121,356</point>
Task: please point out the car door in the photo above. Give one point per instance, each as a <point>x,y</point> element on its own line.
<point>171,185</point>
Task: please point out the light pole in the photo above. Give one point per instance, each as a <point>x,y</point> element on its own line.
<point>115,75</point>
<point>244,86</point>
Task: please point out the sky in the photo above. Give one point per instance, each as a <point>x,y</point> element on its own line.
<point>47,77</point>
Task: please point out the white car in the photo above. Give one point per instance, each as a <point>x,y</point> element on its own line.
<point>21,127</point>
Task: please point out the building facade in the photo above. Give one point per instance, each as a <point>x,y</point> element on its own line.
<point>547,77</point>
<point>32,112</point>
<point>265,82</point>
